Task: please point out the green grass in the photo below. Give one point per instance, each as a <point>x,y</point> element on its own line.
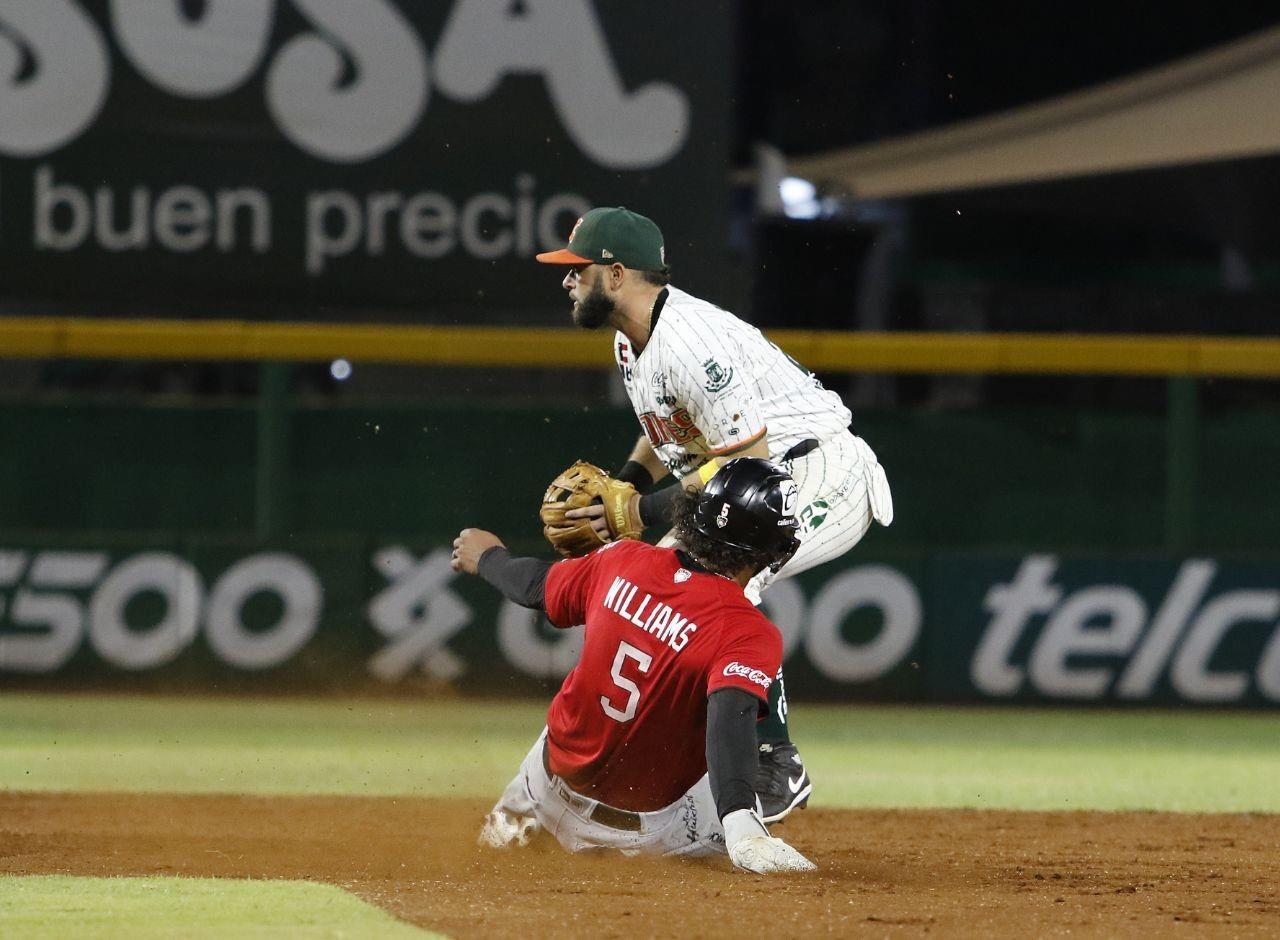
<point>263,746</point>
<point>52,907</point>
<point>1041,759</point>
<point>881,756</point>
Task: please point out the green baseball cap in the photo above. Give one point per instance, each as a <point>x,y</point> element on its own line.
<point>612,236</point>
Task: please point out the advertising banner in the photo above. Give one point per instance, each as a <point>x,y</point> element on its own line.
<point>947,628</point>
<point>379,614</point>
<point>386,152</point>
<point>1044,628</point>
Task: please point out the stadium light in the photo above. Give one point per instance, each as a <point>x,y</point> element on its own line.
<point>799,198</point>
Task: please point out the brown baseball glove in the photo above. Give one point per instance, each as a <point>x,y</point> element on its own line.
<point>580,486</point>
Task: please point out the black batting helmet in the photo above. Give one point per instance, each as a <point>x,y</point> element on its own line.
<point>750,504</point>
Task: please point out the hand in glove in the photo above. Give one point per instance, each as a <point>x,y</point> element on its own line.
<point>753,849</point>
<point>585,508</point>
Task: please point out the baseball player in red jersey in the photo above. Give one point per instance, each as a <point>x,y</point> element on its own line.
<point>650,743</point>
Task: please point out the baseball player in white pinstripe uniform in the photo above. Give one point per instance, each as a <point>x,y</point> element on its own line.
<point>707,386</point>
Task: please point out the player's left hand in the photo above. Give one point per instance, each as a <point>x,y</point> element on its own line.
<point>469,546</point>
<point>752,849</point>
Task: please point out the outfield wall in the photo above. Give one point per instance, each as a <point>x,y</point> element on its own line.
<point>1030,478</point>
<point>1025,562</point>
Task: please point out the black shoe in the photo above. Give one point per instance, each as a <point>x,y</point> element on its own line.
<point>782,783</point>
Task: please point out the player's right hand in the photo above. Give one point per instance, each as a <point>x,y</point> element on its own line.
<point>469,546</point>
<point>595,517</point>
<point>752,849</point>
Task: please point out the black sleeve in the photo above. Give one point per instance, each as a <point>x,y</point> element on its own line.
<point>732,755</point>
<point>655,508</point>
<point>634,472</point>
<point>522,580</point>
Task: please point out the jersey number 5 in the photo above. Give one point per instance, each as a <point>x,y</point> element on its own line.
<point>625,651</point>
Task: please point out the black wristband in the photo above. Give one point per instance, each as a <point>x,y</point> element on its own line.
<point>634,472</point>
<point>656,507</point>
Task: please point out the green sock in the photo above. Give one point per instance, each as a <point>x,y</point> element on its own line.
<point>773,728</point>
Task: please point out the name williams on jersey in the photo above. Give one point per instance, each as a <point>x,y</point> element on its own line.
<point>653,617</point>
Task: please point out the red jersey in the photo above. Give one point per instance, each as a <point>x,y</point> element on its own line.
<point>628,726</point>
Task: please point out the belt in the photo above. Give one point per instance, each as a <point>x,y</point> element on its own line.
<point>622,819</point>
<point>808,445</point>
<point>615,818</point>
<point>799,450</point>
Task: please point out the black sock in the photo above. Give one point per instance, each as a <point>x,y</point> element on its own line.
<point>773,728</point>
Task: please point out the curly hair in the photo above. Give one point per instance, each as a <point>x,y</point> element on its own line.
<point>714,554</point>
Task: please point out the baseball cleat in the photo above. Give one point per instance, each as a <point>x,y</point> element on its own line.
<point>503,830</point>
<point>782,784</point>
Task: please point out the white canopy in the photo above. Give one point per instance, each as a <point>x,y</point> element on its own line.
<point>1219,105</point>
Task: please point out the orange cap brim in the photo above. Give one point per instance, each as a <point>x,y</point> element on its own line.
<point>563,256</point>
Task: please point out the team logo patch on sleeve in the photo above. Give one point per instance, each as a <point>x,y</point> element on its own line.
<point>718,377</point>
<point>760,678</point>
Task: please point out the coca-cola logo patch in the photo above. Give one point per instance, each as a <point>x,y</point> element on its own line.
<point>759,677</point>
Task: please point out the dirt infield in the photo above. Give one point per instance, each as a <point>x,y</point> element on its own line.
<point>883,873</point>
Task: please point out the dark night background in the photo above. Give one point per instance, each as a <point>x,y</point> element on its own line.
<point>1187,249</point>
<point>828,74</point>
<point>1124,477</point>
<point>1115,253</point>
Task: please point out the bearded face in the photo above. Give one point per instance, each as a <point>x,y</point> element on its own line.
<point>593,311</point>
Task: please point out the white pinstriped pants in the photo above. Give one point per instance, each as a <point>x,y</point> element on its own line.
<point>842,489</point>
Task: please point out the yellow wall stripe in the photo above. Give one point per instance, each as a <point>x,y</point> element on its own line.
<point>1069,354</point>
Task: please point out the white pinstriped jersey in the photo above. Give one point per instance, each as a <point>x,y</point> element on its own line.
<point>708,382</point>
